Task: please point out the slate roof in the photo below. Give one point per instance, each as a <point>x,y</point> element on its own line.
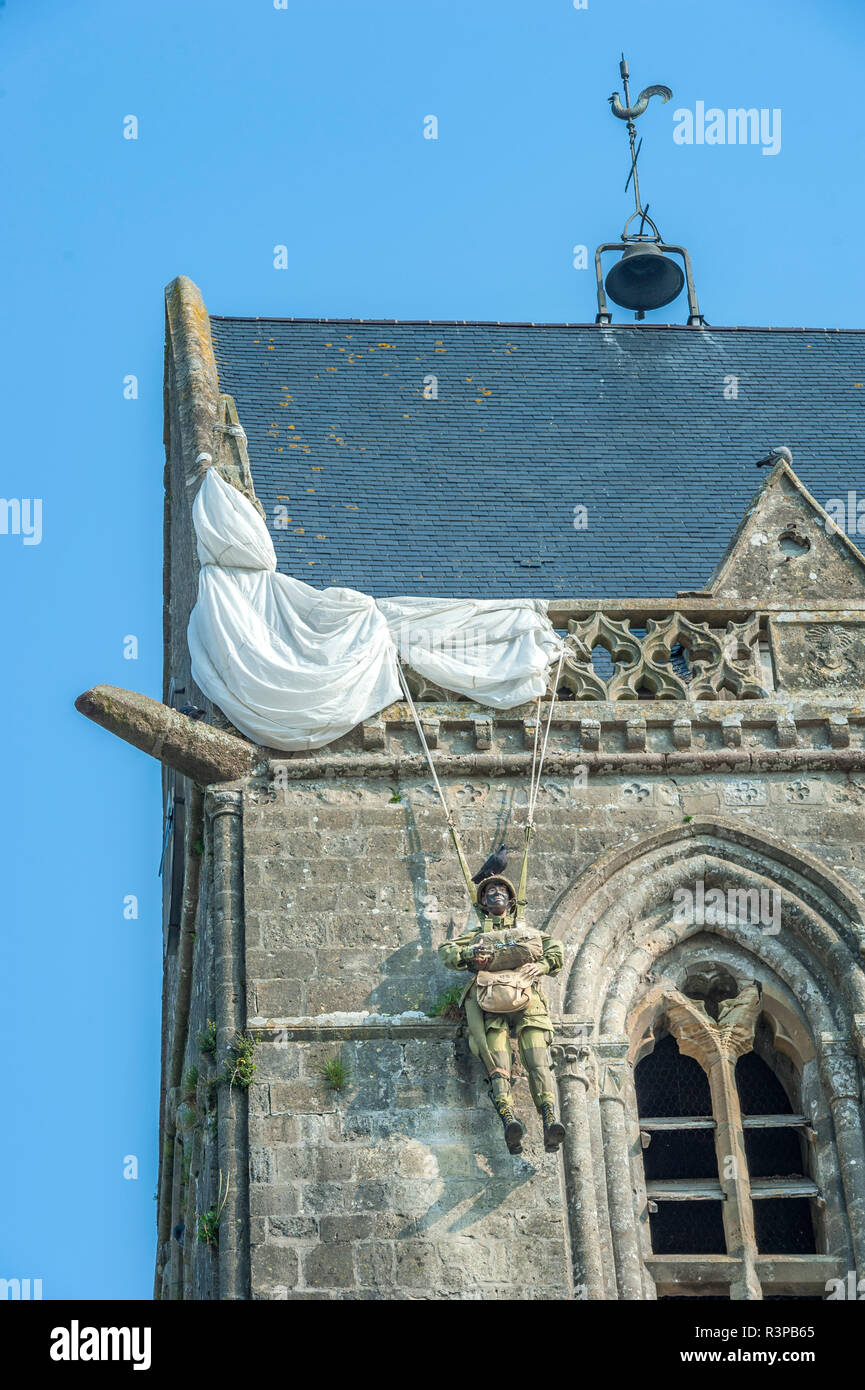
<point>474,493</point>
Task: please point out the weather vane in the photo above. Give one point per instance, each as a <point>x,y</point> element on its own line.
<point>630,113</point>
<point>644,278</point>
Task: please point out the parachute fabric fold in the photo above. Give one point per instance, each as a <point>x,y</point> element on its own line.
<point>291,666</point>
<point>295,667</point>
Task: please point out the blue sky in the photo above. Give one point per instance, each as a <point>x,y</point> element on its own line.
<point>301,126</point>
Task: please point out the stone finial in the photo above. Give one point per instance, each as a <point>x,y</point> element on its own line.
<point>230,455</point>
<point>194,749</point>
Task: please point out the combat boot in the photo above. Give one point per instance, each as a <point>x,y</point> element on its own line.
<point>554,1130</point>
<point>514,1128</point>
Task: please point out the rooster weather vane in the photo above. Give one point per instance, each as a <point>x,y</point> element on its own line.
<point>644,278</point>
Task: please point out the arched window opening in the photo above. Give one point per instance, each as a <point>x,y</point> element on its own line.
<point>776,1150</point>
<point>726,1147</point>
<point>678,1134</point>
<point>668,1083</point>
<point>760,1091</point>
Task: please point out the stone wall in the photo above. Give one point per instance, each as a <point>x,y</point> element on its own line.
<point>315,899</point>
<point>400,1186</point>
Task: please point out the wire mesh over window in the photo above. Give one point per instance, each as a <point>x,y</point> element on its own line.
<point>774,1153</point>
<point>687,1228</point>
<point>760,1091</point>
<point>672,1085</point>
<point>669,1084</point>
<point>783,1226</point>
<point>681,1153</point>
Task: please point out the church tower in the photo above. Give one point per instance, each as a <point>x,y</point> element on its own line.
<point>697,852</point>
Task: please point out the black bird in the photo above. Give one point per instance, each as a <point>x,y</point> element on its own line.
<point>496,864</point>
<point>775,455</point>
<point>192,711</point>
<point>179,1232</point>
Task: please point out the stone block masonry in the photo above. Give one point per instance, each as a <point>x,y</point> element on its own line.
<point>399,1185</point>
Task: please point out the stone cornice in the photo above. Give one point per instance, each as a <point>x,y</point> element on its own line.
<point>593,763</point>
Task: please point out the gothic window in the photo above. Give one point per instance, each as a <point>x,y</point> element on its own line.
<point>725,1147</point>
<point>681,1166</point>
<point>777,1161</point>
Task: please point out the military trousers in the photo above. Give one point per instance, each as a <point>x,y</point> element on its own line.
<point>489,1040</point>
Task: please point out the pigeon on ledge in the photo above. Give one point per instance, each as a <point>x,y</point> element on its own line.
<point>777,455</point>
<point>192,711</point>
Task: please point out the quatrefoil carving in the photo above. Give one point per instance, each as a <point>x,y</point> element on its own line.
<point>721,664</point>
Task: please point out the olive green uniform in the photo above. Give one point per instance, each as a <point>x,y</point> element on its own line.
<point>489,1033</point>
<point>535,1015</point>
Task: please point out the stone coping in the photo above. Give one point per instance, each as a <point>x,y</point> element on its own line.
<point>411,1024</point>
<point>732,759</point>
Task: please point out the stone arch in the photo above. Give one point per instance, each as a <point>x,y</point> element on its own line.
<point>823,921</point>
<point>622,941</point>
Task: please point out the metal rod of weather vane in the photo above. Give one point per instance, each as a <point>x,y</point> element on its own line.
<point>632,131</point>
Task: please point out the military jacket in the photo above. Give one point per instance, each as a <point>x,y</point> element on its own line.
<point>456,955</point>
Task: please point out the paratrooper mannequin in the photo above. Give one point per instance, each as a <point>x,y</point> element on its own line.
<point>498,906</point>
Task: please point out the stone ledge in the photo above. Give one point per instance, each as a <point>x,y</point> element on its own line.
<point>738,759</point>
<point>412,1024</point>
<point>329,1027</point>
<point>722,1269</point>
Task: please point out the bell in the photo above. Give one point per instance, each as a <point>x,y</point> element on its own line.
<point>644,278</point>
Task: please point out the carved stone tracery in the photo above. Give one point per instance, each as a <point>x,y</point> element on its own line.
<point>719,665</point>
<point>700,1036</point>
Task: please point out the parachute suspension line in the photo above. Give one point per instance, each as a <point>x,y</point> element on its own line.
<point>535,784</point>
<point>467,873</point>
<point>422,737</point>
<point>534,781</point>
<point>537,779</point>
<point>521,891</point>
<point>534,761</point>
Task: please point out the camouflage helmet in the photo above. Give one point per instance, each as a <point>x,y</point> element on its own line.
<point>498,878</point>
